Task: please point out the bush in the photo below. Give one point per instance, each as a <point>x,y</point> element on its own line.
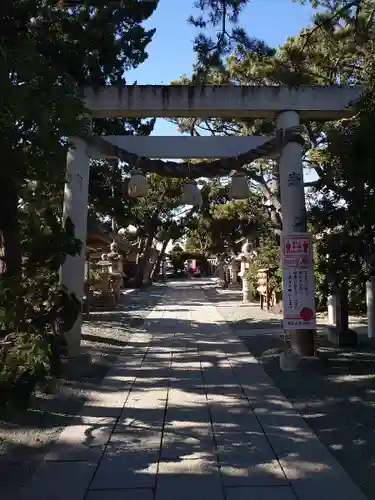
<point>37,342</point>
<point>25,365</point>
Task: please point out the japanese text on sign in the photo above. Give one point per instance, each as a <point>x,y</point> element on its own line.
<point>298,281</point>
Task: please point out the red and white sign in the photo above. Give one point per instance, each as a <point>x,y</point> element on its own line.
<point>297,245</point>
<point>298,281</point>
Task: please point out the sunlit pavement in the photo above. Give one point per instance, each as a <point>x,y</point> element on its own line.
<point>187,413</point>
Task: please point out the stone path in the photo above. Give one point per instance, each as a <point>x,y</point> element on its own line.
<point>187,413</point>
<point>25,437</point>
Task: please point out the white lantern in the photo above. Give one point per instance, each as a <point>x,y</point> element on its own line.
<point>239,189</point>
<point>138,185</point>
<point>191,194</point>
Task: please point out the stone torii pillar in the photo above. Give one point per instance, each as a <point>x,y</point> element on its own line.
<point>291,178</point>
<point>293,208</point>
<point>72,272</point>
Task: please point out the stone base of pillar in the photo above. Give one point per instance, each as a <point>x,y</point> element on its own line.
<point>289,361</point>
<point>342,338</point>
<point>303,342</point>
<point>73,338</point>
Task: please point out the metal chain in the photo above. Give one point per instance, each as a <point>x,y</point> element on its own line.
<point>216,168</point>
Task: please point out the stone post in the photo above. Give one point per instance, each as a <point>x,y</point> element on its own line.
<point>292,195</point>
<point>246,292</point>
<point>72,272</point>
<point>332,306</point>
<point>370,306</point>
<point>245,259</point>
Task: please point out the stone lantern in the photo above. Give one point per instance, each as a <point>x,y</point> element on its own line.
<point>115,271</point>
<point>245,256</point>
<point>234,272</point>
<point>220,269</point>
<point>103,285</point>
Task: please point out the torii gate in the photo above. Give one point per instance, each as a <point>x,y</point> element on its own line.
<point>286,105</point>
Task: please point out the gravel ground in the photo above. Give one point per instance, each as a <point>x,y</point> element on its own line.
<point>335,395</point>
<point>26,437</point>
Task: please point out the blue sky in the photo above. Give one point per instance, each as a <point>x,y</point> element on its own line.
<point>171,54</point>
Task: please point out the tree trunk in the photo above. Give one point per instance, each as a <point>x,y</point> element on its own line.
<point>11,259</point>
<point>156,269</point>
<point>141,245</point>
<point>146,256</point>
<point>143,261</point>
<point>9,231</point>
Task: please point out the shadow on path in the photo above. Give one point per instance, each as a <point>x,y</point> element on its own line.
<point>26,436</point>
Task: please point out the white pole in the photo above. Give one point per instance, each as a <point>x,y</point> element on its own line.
<point>293,209</point>
<point>113,163</point>
<point>72,272</point>
<point>332,304</point>
<point>370,306</point>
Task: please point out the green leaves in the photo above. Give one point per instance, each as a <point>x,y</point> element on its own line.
<point>47,54</point>
<point>222,223</point>
<point>223,17</point>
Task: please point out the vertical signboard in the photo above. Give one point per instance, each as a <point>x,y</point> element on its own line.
<point>298,281</point>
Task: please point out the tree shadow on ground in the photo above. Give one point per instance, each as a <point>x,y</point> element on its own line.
<point>25,435</point>
<point>257,324</point>
<point>211,410</point>
<point>335,395</point>
<point>178,414</point>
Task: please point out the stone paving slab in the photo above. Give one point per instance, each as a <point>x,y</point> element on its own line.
<point>129,464</point>
<point>182,487</point>
<point>134,494</point>
<point>186,413</point>
<point>58,481</point>
<point>260,493</point>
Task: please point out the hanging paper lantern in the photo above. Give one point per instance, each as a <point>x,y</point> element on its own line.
<point>138,185</point>
<point>239,189</point>
<point>191,194</point>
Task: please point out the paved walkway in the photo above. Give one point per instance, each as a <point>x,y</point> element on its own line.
<point>187,413</point>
